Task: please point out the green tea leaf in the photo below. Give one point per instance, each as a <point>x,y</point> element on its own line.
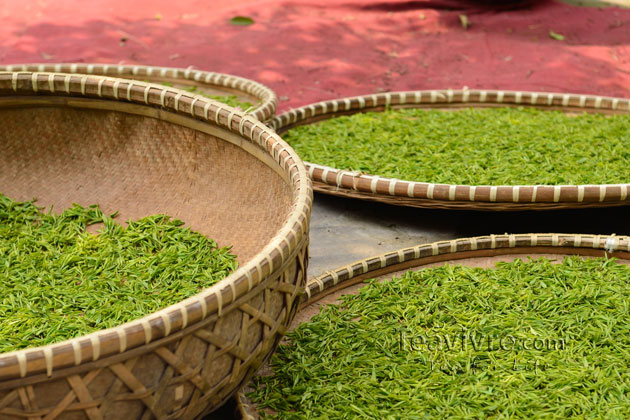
<point>493,146</point>
<point>58,280</point>
<point>463,342</point>
<point>242,21</point>
<point>231,100</point>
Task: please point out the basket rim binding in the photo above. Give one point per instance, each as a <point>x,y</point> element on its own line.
<point>267,97</point>
<point>450,250</point>
<point>89,348</point>
<point>415,257</point>
<point>396,191</point>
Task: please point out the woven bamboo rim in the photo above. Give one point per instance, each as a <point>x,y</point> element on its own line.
<point>421,194</point>
<point>445,251</point>
<point>22,369</point>
<point>267,99</point>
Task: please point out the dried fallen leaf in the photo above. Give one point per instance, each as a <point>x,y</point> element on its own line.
<point>463,19</point>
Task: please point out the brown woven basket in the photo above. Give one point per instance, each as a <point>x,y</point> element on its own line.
<point>263,98</point>
<point>420,194</point>
<point>482,251</point>
<point>145,149</point>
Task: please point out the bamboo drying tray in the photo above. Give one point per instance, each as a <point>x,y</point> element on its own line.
<point>482,251</point>
<point>146,149</point>
<point>420,194</point>
<point>263,98</point>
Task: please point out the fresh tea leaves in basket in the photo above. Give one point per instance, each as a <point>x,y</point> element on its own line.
<point>494,146</point>
<point>231,100</point>
<point>527,339</point>
<point>59,281</point>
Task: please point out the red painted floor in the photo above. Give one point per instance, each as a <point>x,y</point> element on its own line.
<point>313,50</point>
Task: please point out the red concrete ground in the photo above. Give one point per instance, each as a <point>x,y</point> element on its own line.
<point>320,49</point>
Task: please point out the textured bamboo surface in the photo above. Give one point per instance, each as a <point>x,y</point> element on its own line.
<point>264,100</point>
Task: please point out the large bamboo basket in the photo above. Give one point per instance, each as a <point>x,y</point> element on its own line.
<point>263,99</point>
<point>145,149</point>
<point>421,194</point>
<point>482,251</point>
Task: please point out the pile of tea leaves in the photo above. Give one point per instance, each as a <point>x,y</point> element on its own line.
<point>231,100</point>
<point>58,280</point>
<point>493,146</point>
<point>527,339</point>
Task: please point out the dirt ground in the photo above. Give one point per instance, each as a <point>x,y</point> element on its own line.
<point>320,49</point>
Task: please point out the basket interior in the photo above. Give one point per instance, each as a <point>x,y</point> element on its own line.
<point>141,166</point>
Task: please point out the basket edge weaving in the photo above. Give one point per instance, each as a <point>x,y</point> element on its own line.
<point>264,111</point>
